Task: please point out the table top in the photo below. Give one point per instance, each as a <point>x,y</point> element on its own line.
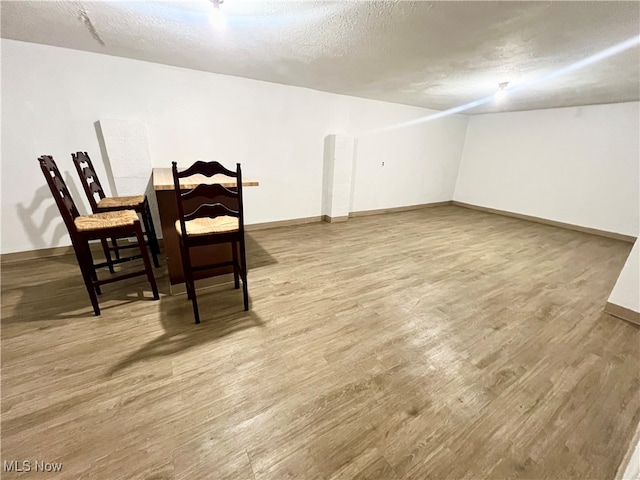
<point>163,180</point>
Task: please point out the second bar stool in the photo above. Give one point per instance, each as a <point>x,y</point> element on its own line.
<point>138,203</point>
<point>84,228</point>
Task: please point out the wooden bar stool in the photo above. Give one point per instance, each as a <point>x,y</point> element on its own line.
<point>211,214</point>
<point>139,203</point>
<point>99,226</point>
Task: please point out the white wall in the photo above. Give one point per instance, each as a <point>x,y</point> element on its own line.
<point>51,98</point>
<point>577,165</point>
<point>436,145</point>
<point>626,292</point>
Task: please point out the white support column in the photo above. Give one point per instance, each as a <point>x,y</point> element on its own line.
<point>336,185</point>
<point>624,301</point>
<point>125,143</point>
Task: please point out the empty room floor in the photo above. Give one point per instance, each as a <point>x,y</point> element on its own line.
<point>435,343</point>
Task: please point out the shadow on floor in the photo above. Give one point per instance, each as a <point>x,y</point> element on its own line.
<point>221,314</point>
<point>256,255</point>
<point>52,289</point>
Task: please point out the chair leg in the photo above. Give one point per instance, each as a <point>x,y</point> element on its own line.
<point>151,232</point>
<point>145,258</point>
<point>94,275</point>
<point>243,260</point>
<point>107,254</point>
<point>116,250</point>
<point>86,268</point>
<point>189,282</point>
<point>236,265</point>
<point>185,262</point>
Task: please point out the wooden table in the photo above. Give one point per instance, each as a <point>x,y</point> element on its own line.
<point>168,208</point>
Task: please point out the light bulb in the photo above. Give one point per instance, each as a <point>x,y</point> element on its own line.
<point>501,94</point>
<point>217,16</point>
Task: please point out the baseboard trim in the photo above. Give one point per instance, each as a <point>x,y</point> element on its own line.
<point>328,219</point>
<point>553,223</point>
<point>68,249</point>
<point>622,312</point>
<point>43,253</point>
<point>629,468</point>
<point>364,213</point>
<point>96,248</point>
<point>282,223</point>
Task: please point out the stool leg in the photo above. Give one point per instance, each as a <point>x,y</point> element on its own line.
<point>116,250</point>
<point>185,262</point>
<point>107,254</point>
<point>145,258</point>
<point>189,282</point>
<point>151,232</point>
<point>243,260</point>
<point>86,268</point>
<point>236,265</point>
<point>94,275</point>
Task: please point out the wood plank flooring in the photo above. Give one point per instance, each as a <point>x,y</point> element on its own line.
<point>436,343</point>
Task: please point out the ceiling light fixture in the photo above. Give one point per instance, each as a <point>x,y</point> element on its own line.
<point>217,16</point>
<point>502,91</point>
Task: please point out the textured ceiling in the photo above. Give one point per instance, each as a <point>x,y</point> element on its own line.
<point>432,54</point>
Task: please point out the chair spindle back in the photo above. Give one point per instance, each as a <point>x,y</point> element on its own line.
<point>60,192</point>
<point>88,178</point>
<point>208,200</point>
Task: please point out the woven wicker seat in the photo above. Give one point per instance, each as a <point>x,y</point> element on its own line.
<point>101,221</point>
<point>209,226</point>
<point>98,226</point>
<point>119,202</point>
<point>101,203</point>
<point>210,214</point>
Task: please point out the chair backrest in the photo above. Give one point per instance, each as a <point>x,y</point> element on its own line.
<point>90,182</point>
<point>60,192</point>
<point>208,199</point>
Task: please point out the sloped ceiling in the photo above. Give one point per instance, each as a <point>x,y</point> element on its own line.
<point>437,55</point>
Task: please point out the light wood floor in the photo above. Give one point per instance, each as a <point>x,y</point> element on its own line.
<point>439,343</point>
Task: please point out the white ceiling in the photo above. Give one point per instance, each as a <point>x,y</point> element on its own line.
<point>432,54</point>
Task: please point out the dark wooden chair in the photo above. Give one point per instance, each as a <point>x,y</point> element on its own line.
<point>139,203</point>
<point>99,226</point>
<point>211,214</point>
